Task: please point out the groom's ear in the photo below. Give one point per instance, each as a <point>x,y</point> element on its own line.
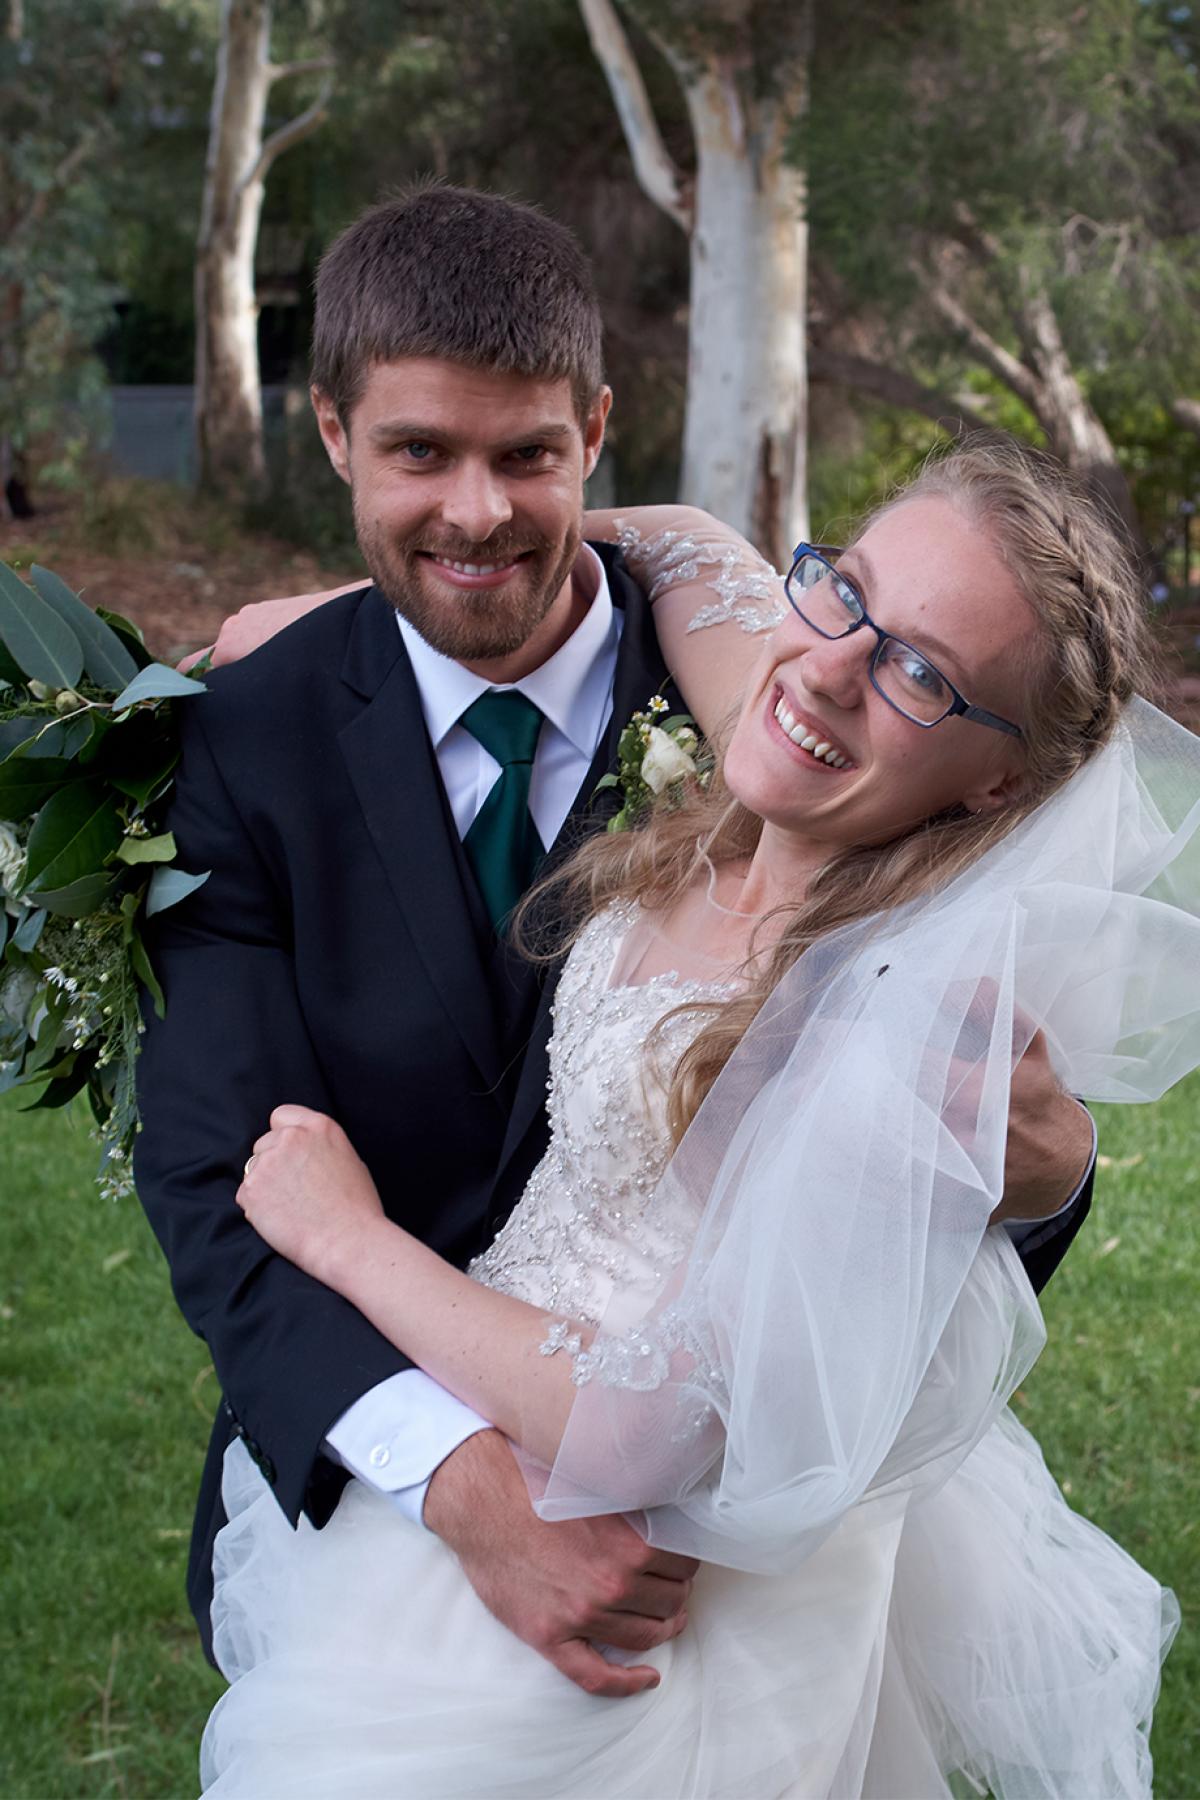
<point>593,430</point>
<point>334,435</point>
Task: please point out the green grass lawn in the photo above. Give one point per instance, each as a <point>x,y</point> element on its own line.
<point>108,1399</point>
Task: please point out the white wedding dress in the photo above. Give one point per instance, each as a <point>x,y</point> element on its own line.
<point>975,1637</point>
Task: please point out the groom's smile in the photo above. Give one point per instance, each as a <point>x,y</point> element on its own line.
<point>467,486</point>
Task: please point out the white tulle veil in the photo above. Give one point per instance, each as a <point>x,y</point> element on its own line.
<point>844,1324</point>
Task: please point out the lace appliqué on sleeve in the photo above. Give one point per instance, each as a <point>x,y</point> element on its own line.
<point>643,1362</point>
<point>747,585</point>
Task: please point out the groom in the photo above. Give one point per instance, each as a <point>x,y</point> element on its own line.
<point>372,792</point>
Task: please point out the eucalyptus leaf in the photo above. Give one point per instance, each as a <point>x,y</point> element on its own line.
<point>59,737</point>
<point>15,732</point>
<point>44,646</point>
<point>63,1088</point>
<point>78,898</point>
<point>169,886</point>
<point>159,849</point>
<point>27,782</point>
<point>142,968</point>
<point>145,789</point>
<point>28,932</point>
<point>106,661</point>
<point>157,682</point>
<point>74,834</point>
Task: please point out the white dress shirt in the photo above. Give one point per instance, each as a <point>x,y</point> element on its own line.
<point>396,1436</point>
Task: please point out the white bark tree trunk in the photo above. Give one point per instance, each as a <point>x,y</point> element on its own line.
<point>228,394</point>
<point>745,428</point>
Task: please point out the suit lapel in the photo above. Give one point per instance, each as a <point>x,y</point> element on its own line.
<point>395,775</point>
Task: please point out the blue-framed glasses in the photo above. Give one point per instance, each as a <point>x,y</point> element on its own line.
<point>901,674</point>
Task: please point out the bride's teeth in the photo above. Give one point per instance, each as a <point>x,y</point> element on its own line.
<point>822,751</point>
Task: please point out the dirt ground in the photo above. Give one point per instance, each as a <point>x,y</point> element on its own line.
<point>177,569</point>
<point>176,575</point>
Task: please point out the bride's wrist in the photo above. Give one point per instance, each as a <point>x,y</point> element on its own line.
<point>349,1258</point>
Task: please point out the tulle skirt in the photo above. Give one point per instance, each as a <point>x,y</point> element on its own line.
<point>982,1639</point>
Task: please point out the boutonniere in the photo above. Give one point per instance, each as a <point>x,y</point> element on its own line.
<point>657,751</point>
<point>88,744</point>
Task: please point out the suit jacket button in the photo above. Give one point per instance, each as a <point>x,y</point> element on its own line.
<point>267,1467</point>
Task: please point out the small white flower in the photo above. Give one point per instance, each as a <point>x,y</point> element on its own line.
<point>665,761</point>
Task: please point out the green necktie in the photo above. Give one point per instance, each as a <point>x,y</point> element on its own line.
<point>502,846</point>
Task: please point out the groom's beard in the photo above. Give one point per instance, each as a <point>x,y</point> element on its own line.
<point>470,626</point>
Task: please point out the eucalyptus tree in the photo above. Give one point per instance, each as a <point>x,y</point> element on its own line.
<point>743,66</point>
<point>241,152</point>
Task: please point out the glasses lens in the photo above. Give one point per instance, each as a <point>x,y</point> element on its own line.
<point>912,684</point>
<point>825,598</point>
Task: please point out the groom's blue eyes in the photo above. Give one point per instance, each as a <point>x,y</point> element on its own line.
<point>527,455</point>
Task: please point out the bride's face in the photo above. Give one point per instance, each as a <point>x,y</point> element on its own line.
<point>929,576</point>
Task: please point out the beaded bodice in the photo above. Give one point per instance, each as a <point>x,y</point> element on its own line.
<point>585,1224</point>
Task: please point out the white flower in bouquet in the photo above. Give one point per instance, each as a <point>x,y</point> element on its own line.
<point>12,865</point>
<point>665,761</point>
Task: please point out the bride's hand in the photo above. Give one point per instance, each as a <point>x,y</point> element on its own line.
<point>308,1193</point>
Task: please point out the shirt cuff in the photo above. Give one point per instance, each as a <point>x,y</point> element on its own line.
<point>396,1437</point>
<point>1023,1231</point>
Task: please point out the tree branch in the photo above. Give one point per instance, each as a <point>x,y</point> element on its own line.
<point>656,172</point>
<point>895,387</point>
<point>983,347</point>
<point>312,65</point>
<point>292,133</point>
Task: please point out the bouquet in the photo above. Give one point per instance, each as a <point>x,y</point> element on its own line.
<point>88,747</point>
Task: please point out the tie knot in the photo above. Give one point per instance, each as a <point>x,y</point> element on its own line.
<point>507,725</point>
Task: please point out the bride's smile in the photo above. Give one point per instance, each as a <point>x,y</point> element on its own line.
<point>824,757</point>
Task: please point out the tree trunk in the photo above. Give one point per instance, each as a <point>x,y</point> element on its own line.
<point>746,422</point>
<point>229,434</point>
<point>1186,412</point>
<point>744,451</point>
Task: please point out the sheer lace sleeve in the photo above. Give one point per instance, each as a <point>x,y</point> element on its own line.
<point>707,558</point>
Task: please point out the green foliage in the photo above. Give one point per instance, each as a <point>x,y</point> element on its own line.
<point>84,88</point>
<point>88,748</point>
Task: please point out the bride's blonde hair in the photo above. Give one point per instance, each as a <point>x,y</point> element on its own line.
<point>1074,567</point>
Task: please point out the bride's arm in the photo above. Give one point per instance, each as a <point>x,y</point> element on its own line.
<point>714,598</point>
<point>311,1197</point>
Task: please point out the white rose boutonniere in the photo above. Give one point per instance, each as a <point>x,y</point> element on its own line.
<point>656,752</point>
<point>665,760</point>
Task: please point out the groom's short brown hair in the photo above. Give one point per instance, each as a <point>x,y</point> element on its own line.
<point>450,272</point>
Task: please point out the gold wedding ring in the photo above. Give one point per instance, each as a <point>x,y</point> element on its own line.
<point>250,1162</point>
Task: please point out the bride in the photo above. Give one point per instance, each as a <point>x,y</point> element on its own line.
<point>751,1288</point>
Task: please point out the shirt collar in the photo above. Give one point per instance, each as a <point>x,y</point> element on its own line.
<point>573,688</point>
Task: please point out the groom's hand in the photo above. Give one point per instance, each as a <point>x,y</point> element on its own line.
<point>1049,1140</point>
<point>561,1588</point>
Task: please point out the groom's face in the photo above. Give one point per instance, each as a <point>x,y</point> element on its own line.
<point>468,501</point>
